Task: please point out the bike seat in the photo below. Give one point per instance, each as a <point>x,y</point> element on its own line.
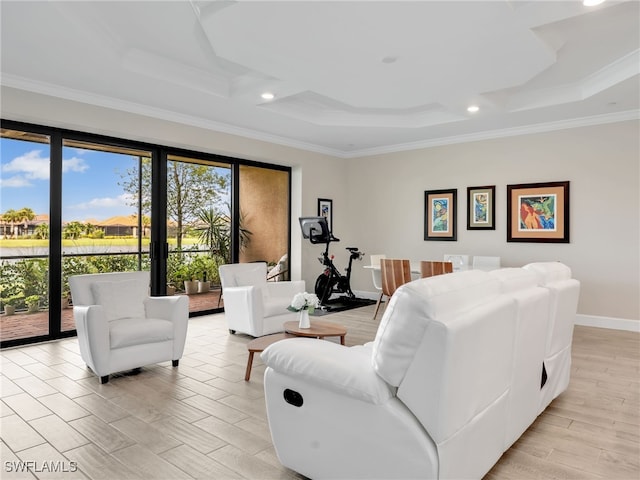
<point>352,249</point>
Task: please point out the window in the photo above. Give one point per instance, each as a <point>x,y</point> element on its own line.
<point>77,203</point>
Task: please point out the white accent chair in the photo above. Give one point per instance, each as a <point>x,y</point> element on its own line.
<point>120,327</point>
<point>251,304</point>
<point>280,271</point>
<point>454,376</point>
<point>486,263</point>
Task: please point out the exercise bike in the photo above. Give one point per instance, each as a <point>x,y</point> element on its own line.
<point>330,281</point>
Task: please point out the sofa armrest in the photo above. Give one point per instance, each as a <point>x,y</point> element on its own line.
<point>173,308</point>
<point>343,370</point>
<point>176,310</point>
<point>93,336</point>
<point>245,301</point>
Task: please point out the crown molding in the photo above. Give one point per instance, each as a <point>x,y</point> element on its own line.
<point>500,133</point>
<point>158,113</point>
<point>139,109</point>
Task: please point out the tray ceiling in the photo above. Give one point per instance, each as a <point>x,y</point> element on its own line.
<point>349,78</point>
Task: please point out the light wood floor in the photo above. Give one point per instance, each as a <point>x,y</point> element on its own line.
<point>202,420</point>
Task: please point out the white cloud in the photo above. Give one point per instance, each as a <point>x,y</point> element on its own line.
<point>106,202</point>
<point>16,181</point>
<point>74,164</point>
<point>32,165</point>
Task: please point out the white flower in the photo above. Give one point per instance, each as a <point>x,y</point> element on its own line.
<point>303,301</point>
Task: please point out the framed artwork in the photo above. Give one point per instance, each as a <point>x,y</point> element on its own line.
<point>481,208</point>
<point>325,209</point>
<point>538,212</point>
<point>440,214</point>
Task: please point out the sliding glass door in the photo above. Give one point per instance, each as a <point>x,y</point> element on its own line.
<point>24,234</point>
<point>106,202</point>
<point>198,228</point>
<point>74,203</point>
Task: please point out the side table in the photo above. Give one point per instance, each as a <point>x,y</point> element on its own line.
<point>258,345</point>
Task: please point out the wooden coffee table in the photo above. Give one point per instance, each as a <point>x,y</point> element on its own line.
<point>318,329</point>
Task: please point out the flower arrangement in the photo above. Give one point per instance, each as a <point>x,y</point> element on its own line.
<point>304,301</point>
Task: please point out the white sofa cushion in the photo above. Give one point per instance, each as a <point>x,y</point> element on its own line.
<point>123,299</point>
<point>549,272</point>
<point>275,306</point>
<point>411,310</point>
<point>515,279</point>
<point>126,332</point>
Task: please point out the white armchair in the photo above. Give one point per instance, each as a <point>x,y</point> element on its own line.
<point>120,327</point>
<point>251,304</point>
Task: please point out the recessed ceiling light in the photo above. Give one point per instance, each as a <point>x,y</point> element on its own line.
<point>591,3</point>
<point>390,59</point>
<point>268,96</point>
<point>473,108</point>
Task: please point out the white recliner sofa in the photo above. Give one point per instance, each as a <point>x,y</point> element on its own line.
<point>452,379</point>
<point>120,327</point>
<point>253,305</point>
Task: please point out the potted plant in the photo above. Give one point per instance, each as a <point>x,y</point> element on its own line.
<point>32,302</point>
<point>191,286</point>
<point>10,303</point>
<point>171,289</point>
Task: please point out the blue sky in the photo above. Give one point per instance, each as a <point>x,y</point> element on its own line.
<point>90,181</point>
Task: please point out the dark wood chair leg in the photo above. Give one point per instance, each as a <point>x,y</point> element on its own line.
<point>175,362</point>
<point>377,306</point>
<point>104,379</point>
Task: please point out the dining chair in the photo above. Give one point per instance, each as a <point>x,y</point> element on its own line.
<point>486,263</point>
<point>460,262</point>
<point>429,268</point>
<point>393,273</point>
<point>375,271</point>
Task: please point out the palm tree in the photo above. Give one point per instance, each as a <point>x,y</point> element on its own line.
<point>25,215</point>
<point>42,231</point>
<point>215,232</point>
<point>11,217</point>
<point>73,230</point>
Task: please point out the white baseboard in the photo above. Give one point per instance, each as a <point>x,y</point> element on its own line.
<point>608,322</point>
<point>584,320</point>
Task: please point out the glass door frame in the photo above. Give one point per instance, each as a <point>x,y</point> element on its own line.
<point>158,236</point>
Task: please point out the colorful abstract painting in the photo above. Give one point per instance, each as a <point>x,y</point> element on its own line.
<point>480,208</point>
<point>537,212</point>
<point>440,212</point>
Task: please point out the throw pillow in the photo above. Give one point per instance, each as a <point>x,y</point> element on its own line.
<point>120,299</point>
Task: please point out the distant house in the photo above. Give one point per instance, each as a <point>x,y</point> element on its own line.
<point>118,226</point>
<point>121,226</point>
<point>22,229</point>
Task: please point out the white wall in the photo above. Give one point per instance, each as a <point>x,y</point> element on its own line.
<point>386,196</point>
<point>378,201</point>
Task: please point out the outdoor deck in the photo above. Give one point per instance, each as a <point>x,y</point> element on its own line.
<point>24,325</point>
